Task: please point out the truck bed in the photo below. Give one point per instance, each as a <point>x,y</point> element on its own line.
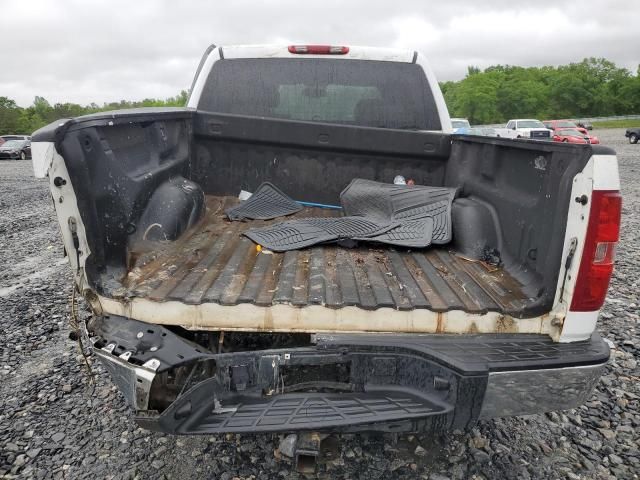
<point>214,262</point>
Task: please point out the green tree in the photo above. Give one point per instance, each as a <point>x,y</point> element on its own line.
<point>592,87</point>
<point>9,115</point>
<point>521,92</point>
<point>629,92</point>
<point>476,98</point>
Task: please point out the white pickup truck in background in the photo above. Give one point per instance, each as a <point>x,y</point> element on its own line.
<point>460,125</point>
<point>525,128</point>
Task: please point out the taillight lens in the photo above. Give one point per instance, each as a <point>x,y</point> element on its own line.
<point>318,49</point>
<point>596,266</point>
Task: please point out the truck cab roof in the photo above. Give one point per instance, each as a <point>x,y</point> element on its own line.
<point>346,52</point>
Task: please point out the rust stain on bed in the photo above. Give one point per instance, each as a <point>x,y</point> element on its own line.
<point>212,257</point>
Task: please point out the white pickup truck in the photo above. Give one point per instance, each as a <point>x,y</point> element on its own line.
<point>205,331</point>
<point>525,128</point>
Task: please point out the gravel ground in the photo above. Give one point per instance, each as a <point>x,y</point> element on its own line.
<point>55,424</point>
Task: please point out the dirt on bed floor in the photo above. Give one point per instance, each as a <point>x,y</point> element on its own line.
<point>215,262</point>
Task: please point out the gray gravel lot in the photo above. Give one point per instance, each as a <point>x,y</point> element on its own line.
<point>54,424</point>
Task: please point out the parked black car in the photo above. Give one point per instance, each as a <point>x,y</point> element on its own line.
<point>6,138</point>
<point>633,134</point>
<point>16,149</point>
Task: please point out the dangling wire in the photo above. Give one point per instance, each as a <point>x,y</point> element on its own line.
<point>76,325</point>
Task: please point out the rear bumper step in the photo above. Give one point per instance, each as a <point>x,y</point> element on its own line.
<point>344,383</point>
<point>381,410</point>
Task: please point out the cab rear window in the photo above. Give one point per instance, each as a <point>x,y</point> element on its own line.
<point>350,92</point>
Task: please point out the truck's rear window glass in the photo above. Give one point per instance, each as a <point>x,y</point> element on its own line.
<point>350,92</point>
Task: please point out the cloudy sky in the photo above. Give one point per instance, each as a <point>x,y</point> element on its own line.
<point>106,50</point>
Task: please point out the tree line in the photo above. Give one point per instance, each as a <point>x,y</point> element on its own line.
<point>593,87</point>
<point>15,119</point>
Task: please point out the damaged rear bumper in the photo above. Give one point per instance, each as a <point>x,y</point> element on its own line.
<point>344,383</point>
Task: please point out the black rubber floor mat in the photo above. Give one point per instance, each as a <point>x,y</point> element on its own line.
<point>409,216</point>
<point>296,234</point>
<point>412,234</point>
<point>402,203</point>
<point>439,212</point>
<point>266,203</point>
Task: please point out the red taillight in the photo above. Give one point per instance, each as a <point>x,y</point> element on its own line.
<point>318,49</point>
<point>599,251</point>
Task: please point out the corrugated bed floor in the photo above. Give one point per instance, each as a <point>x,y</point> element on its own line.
<point>214,262</point>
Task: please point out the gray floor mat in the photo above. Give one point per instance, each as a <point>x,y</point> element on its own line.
<point>439,212</point>
<point>408,216</point>
<point>413,234</point>
<point>296,234</point>
<point>267,202</point>
<point>401,203</point>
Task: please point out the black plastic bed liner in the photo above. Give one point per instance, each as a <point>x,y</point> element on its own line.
<point>214,262</point>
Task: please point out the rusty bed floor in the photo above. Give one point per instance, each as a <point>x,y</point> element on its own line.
<point>214,262</point>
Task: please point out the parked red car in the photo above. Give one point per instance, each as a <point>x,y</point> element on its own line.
<point>573,135</point>
<point>556,124</point>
